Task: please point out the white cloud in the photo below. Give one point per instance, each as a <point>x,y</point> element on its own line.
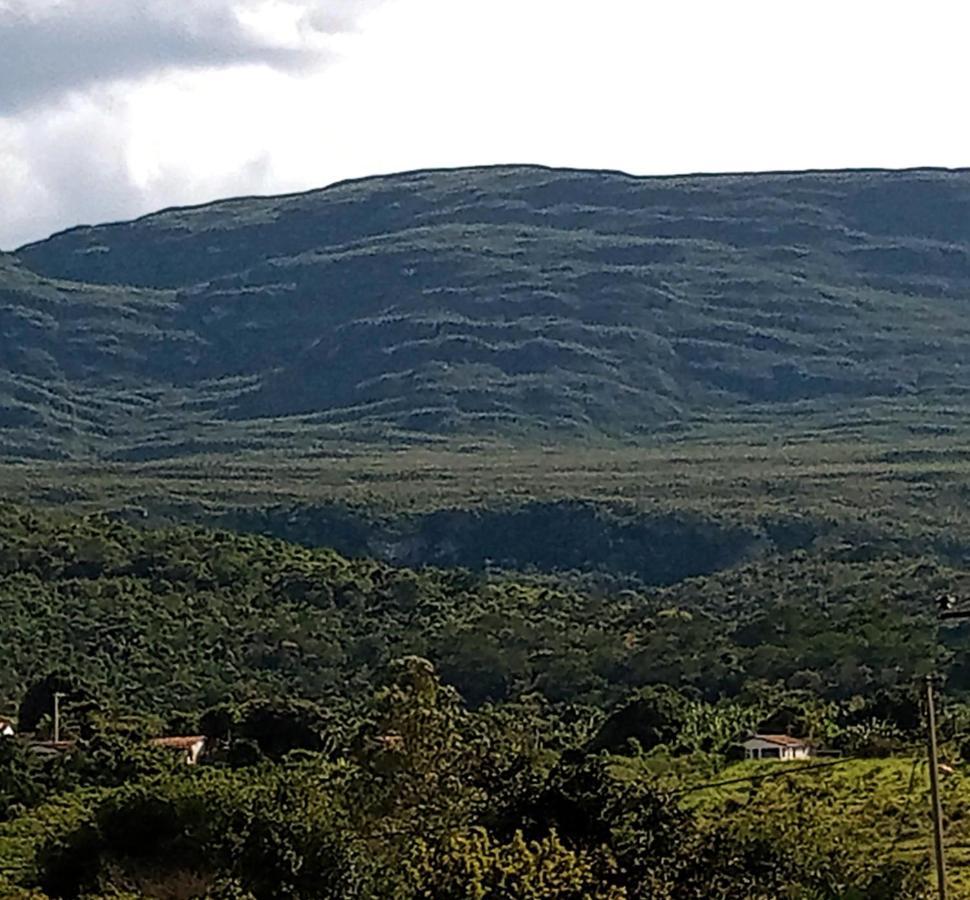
<point>62,161</point>
<point>110,108</point>
<point>293,94</point>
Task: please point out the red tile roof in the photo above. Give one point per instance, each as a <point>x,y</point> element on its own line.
<point>179,743</point>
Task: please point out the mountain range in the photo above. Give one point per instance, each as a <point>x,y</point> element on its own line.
<point>515,301</point>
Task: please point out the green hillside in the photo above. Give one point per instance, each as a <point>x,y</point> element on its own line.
<point>511,301</point>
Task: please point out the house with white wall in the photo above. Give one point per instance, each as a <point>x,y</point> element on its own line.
<point>191,747</point>
<point>6,728</point>
<point>776,746</point>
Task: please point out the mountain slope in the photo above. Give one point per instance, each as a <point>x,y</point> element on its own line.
<point>508,300</point>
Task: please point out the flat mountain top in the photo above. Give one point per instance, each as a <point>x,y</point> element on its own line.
<point>509,301</point>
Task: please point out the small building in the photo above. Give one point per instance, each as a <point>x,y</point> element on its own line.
<point>776,746</point>
<point>51,748</point>
<point>192,746</point>
<point>6,728</point>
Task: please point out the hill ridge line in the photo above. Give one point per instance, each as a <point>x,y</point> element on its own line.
<point>493,167</point>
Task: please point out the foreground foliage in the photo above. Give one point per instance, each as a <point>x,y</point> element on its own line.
<point>428,800</point>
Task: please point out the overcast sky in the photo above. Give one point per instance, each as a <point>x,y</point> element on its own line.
<point>113,108</point>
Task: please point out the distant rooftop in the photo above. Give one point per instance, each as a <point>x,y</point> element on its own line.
<point>180,743</point>
<point>782,740</point>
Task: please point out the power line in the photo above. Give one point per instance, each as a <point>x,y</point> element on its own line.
<point>936,805</point>
<point>781,774</point>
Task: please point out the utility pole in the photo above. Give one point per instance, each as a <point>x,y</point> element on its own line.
<point>949,608</point>
<point>935,791</point>
<point>57,715</point>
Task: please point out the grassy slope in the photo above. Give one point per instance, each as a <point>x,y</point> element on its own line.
<point>880,803</point>
<point>525,301</point>
<point>76,358</point>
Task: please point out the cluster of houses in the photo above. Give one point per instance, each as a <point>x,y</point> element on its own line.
<point>191,747</point>
<point>781,747</point>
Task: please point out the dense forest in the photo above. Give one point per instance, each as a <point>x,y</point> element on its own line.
<point>160,620</point>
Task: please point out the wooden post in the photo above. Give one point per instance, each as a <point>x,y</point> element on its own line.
<point>935,791</point>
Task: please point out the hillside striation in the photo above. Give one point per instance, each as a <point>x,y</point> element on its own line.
<point>510,301</point>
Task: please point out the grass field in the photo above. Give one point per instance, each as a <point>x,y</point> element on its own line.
<point>881,803</point>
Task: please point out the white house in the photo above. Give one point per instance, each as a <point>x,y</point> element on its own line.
<point>191,747</point>
<point>776,746</point>
<point>6,728</point>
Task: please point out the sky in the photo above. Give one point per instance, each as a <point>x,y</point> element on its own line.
<point>113,108</point>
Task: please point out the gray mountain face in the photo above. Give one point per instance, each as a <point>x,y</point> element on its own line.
<point>509,301</point>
